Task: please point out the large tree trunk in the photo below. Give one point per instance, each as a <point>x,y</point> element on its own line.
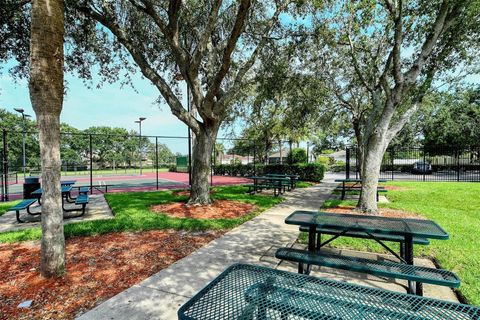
<point>46,95</point>
<point>202,157</point>
<point>371,163</point>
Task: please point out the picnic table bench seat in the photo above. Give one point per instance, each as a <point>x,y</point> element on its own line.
<point>363,235</point>
<point>380,189</point>
<point>266,184</point>
<point>83,190</point>
<point>383,268</point>
<point>82,200</point>
<point>24,205</point>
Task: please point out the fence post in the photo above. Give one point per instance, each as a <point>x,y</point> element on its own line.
<point>254,156</point>
<point>392,157</point>
<point>356,163</point>
<point>212,164</point>
<point>308,147</point>
<point>347,163</point>
<point>5,166</point>
<point>91,163</point>
<point>156,160</point>
<point>424,160</point>
<point>458,164</point>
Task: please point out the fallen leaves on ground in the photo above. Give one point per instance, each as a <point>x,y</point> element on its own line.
<point>98,267</point>
<point>220,209</point>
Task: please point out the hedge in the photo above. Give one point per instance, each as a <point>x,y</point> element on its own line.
<point>306,171</point>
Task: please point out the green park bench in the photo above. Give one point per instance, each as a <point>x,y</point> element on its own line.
<point>82,199</point>
<point>24,205</point>
<point>383,268</point>
<point>380,189</point>
<point>252,188</point>
<point>83,190</point>
<point>291,183</point>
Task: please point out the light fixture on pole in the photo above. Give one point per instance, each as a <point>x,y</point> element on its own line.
<point>24,116</point>
<point>139,121</point>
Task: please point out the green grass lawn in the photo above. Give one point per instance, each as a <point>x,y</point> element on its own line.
<point>455,207</point>
<point>132,214</point>
<point>4,206</point>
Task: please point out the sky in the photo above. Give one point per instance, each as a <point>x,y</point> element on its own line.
<point>111,105</point>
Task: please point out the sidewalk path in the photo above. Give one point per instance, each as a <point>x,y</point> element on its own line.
<point>160,296</point>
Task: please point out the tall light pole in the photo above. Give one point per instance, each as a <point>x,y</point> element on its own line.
<point>24,116</point>
<point>139,121</point>
<point>179,77</point>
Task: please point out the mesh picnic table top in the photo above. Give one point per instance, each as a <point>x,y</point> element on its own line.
<point>356,180</point>
<point>68,182</point>
<point>368,223</point>
<point>64,189</point>
<point>254,292</point>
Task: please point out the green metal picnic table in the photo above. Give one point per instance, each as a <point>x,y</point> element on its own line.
<point>370,225</point>
<point>293,178</point>
<point>275,182</point>
<point>255,292</point>
<point>68,182</point>
<point>65,189</point>
<point>354,181</point>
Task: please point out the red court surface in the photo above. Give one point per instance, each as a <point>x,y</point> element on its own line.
<point>132,182</point>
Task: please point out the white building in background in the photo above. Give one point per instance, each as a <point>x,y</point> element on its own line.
<point>233,158</point>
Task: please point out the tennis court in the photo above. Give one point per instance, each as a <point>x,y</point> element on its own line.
<point>126,182</point>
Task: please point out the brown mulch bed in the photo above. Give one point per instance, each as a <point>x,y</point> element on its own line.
<point>391,213</point>
<point>98,267</point>
<point>220,209</point>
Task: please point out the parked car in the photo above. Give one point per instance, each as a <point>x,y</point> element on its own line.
<point>422,167</point>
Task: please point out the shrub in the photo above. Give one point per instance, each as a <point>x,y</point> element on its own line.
<point>326,161</point>
<point>297,155</point>
<point>306,171</point>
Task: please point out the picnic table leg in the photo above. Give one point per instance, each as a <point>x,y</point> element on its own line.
<point>312,232</point>
<point>319,241</point>
<point>402,250</point>
<point>18,216</point>
<point>409,258</point>
<point>343,190</point>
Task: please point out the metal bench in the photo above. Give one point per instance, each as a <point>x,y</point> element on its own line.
<point>255,292</point>
<point>24,205</point>
<point>83,190</point>
<point>383,268</point>
<point>81,200</point>
<point>380,189</point>
<point>258,187</point>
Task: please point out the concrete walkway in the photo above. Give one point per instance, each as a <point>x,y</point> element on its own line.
<point>160,296</point>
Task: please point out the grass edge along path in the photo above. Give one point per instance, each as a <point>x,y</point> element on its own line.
<point>455,206</point>
<point>132,213</point>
